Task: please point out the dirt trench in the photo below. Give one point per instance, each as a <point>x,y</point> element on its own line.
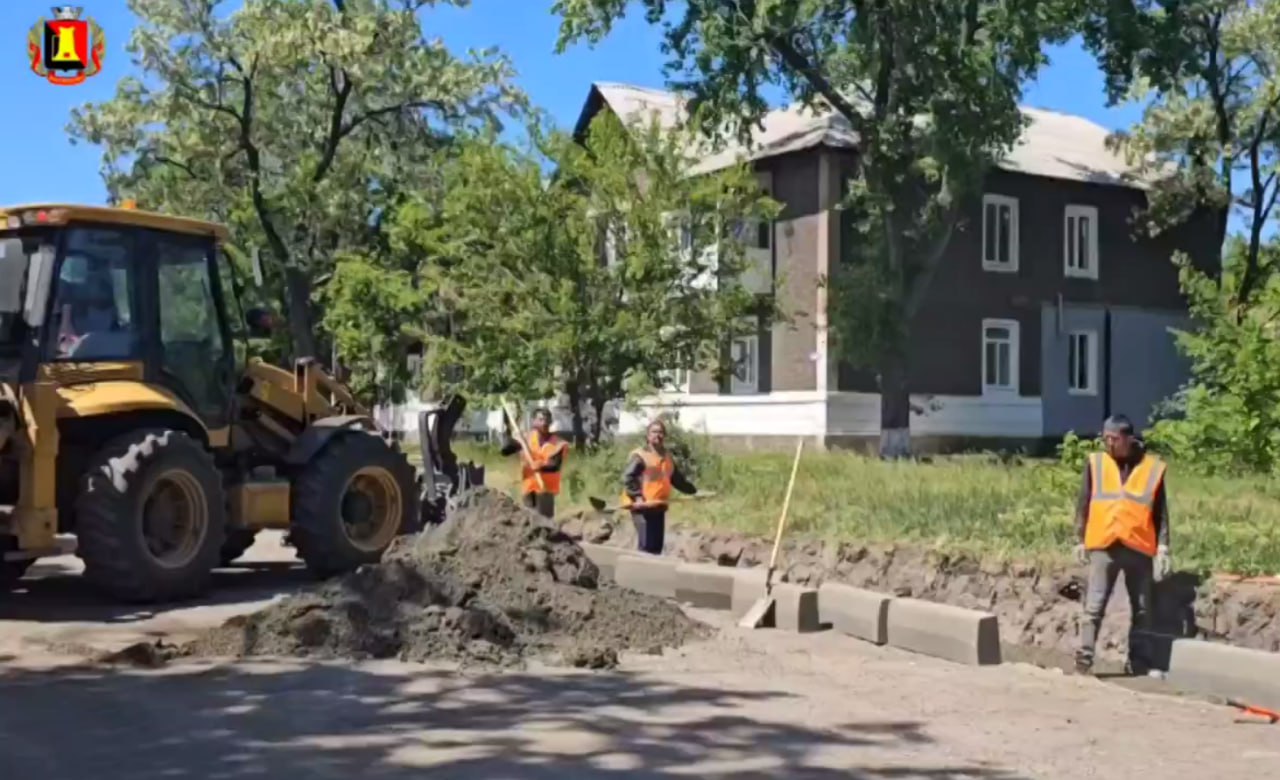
<point>1039,606</point>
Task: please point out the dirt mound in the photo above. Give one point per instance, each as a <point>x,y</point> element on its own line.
<point>494,584</point>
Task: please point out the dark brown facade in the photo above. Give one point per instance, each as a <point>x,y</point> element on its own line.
<point>1132,271</point>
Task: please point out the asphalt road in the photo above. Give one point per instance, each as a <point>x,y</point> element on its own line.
<point>744,704</point>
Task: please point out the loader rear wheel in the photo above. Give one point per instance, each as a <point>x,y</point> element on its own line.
<point>350,502</point>
<point>151,517</point>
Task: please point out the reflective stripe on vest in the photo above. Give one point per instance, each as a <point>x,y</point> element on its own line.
<point>655,481</point>
<point>1123,512</point>
<point>543,452</point>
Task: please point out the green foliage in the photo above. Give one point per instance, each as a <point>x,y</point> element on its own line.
<point>572,286</point>
<point>1227,420</point>
<point>1207,74</point>
<point>955,505</point>
<point>299,123</point>
<point>931,88</point>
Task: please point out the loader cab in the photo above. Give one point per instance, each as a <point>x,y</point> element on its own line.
<point>118,293</point>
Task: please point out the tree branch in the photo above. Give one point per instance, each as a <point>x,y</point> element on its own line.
<point>342,85</point>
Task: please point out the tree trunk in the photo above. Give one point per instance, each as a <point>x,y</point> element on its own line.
<point>895,407</point>
<point>598,402</point>
<point>298,294</point>
<point>574,394</point>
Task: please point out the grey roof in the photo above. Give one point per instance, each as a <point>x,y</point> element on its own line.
<point>1054,145</point>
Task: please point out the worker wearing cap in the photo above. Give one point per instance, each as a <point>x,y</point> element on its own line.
<point>1122,525</point>
<point>539,479</point>
<point>647,481</point>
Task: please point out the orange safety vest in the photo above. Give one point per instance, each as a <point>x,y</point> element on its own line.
<point>542,452</point>
<point>655,482</point>
<point>1123,512</point>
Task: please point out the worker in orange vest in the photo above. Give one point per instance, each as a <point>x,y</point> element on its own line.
<point>1122,525</point>
<point>548,451</point>
<point>647,481</point>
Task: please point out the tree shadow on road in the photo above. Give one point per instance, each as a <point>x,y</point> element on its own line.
<point>276,718</point>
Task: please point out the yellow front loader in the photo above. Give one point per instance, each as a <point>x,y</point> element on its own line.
<point>127,420</point>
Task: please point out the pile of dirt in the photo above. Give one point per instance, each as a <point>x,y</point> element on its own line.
<point>494,584</point>
<point>1039,606</point>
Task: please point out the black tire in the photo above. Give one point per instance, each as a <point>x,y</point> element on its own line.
<point>320,522</point>
<point>113,523</point>
<point>238,540</point>
<point>11,571</point>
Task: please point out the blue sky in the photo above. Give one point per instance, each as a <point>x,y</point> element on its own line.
<point>38,163</point>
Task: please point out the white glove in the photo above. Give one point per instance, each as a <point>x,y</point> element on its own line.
<point>1082,555</point>
<point>1164,564</point>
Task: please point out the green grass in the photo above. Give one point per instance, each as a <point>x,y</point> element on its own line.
<point>971,504</point>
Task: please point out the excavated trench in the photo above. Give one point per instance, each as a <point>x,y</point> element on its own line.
<point>1038,606</point>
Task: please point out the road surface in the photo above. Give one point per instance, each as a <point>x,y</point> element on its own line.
<point>744,704</point>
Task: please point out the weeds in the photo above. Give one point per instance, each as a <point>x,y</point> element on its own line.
<point>975,504</point>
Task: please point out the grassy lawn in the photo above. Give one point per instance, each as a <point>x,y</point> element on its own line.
<point>973,504</point>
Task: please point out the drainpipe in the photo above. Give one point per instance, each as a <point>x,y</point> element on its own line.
<point>1106,363</point>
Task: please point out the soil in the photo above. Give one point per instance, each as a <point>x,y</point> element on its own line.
<point>1039,606</point>
<point>494,585</point>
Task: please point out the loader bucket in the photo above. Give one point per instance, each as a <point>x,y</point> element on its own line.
<point>442,476</point>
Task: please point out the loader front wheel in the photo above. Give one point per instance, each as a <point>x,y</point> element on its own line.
<point>350,502</point>
<point>151,517</point>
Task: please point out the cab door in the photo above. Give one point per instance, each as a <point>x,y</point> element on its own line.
<point>192,353</point>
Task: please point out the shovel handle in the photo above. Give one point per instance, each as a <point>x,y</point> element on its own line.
<point>524,446</point>
<point>786,505</point>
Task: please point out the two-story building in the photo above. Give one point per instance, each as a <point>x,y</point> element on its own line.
<point>1046,314</point>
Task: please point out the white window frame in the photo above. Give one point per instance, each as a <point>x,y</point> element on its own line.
<point>1011,267</point>
<point>1015,345</point>
<point>752,383</point>
<point>1090,338</point>
<point>675,380</point>
<point>1070,265</point>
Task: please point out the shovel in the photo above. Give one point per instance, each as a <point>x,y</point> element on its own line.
<point>524,445</point>
<point>599,505</point>
<point>755,616</point>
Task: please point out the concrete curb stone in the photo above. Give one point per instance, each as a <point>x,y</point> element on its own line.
<point>1226,671</point>
<point>649,574</point>
<point>965,636</point>
<point>854,611</point>
<point>705,585</point>
<point>795,607</point>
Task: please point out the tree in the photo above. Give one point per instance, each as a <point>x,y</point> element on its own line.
<point>1210,134</point>
<point>300,123</point>
<point>1210,131</point>
<point>930,86</point>
<point>586,285</point>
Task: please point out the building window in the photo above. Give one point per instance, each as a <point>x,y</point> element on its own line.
<point>1080,241</point>
<point>745,354</point>
<point>999,356</point>
<point>1082,362</point>
<point>999,233</point>
<point>675,380</point>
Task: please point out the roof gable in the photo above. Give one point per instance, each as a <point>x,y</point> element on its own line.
<point>1053,145</point>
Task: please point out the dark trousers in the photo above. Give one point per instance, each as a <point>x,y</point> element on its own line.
<point>650,530</point>
<point>542,503</point>
<point>1104,566</point>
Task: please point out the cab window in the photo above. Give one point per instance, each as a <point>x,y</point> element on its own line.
<point>94,314</point>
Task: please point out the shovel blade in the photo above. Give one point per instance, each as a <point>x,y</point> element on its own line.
<point>760,615</point>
